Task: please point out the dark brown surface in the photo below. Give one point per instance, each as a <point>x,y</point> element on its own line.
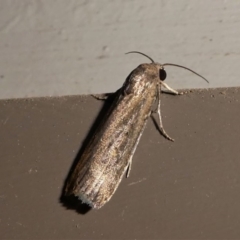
<point>186,189</point>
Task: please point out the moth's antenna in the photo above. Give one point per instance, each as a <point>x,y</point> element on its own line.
<point>141,54</point>
<point>176,65</point>
<point>171,64</point>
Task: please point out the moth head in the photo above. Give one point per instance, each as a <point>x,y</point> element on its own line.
<point>162,72</point>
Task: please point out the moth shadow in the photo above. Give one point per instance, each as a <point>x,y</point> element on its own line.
<point>70,201</point>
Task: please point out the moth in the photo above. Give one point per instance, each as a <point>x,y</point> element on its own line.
<point>108,155</point>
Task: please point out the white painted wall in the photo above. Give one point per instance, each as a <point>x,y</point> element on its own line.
<point>59,47</point>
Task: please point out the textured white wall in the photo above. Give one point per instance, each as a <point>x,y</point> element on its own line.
<point>54,48</point>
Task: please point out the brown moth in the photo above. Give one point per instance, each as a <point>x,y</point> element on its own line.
<point>109,153</point>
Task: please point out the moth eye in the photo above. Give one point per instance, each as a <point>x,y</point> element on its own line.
<point>162,74</point>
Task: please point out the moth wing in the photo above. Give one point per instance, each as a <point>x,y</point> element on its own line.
<point>108,155</point>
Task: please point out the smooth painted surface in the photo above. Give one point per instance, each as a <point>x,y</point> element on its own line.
<point>55,48</point>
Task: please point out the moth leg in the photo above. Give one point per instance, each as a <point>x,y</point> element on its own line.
<point>103,96</point>
<point>158,96</point>
<point>129,168</point>
<point>160,117</point>
<point>170,89</point>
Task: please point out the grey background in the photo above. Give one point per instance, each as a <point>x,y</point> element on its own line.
<point>57,48</point>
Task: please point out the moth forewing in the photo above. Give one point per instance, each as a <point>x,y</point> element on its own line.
<point>109,153</point>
